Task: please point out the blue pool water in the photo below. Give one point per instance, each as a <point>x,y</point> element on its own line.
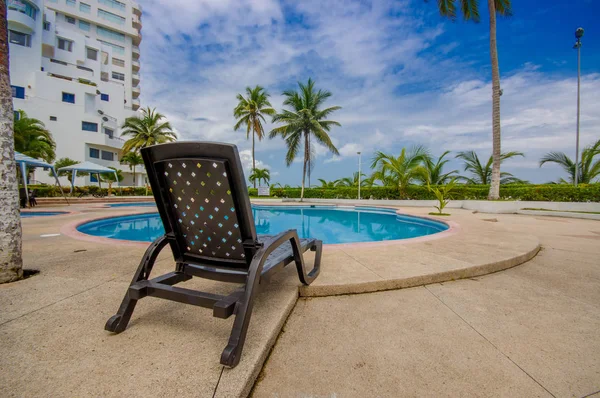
<point>25,214</point>
<point>330,224</point>
<point>132,204</point>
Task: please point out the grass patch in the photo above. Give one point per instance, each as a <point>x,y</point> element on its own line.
<point>562,211</point>
<point>439,214</point>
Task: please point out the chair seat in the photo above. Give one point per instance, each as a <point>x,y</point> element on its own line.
<point>284,253</point>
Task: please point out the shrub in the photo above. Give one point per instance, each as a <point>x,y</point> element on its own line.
<point>51,191</point>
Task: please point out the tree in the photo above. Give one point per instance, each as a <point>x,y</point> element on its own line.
<point>400,171</point>
<point>589,170</point>
<point>328,184</point>
<point>432,173</point>
<point>146,130</point>
<point>132,159</point>
<point>11,259</point>
<point>110,178</point>
<point>482,173</point>
<point>32,138</point>
<point>64,162</point>
<point>353,182</point>
<point>470,11</point>
<point>260,175</point>
<point>250,113</point>
<point>303,120</point>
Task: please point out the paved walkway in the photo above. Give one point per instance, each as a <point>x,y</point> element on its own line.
<point>530,331</point>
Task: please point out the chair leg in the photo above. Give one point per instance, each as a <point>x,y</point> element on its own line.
<point>307,278</point>
<point>118,322</point>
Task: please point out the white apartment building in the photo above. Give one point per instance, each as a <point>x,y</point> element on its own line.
<point>74,65</point>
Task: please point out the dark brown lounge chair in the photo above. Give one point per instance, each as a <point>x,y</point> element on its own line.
<point>203,202</point>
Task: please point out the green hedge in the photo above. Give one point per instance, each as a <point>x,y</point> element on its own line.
<point>548,192</point>
<point>50,191</point>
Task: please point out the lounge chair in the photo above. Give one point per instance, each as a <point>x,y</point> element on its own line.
<point>202,199</point>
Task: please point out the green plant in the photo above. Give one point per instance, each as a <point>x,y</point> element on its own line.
<point>401,170</point>
<point>110,178</point>
<point>588,169</point>
<point>303,120</point>
<point>132,159</point>
<point>260,175</point>
<point>442,194</point>
<point>64,162</point>
<point>250,112</point>
<point>431,172</point>
<point>146,130</point>
<point>482,174</point>
<point>33,139</point>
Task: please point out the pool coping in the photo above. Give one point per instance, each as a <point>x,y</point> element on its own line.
<point>61,212</point>
<point>71,230</point>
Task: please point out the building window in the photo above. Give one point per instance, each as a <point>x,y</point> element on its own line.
<point>93,178</point>
<point>17,115</point>
<point>114,4</point>
<point>23,7</point>
<point>91,53</point>
<point>118,76</point>
<point>70,20</point>
<point>19,38</point>
<point>64,44</point>
<point>109,16</point>
<point>84,8</point>
<point>53,118</point>
<point>108,156</point>
<point>109,132</point>
<point>116,49</point>
<point>104,76</point>
<point>87,69</point>
<point>46,25</point>
<point>94,153</point>
<point>109,33</point>
<point>84,25</point>
<point>18,92</point>
<point>89,126</point>
<point>118,62</point>
<point>104,97</point>
<point>68,97</point>
<point>71,3</point>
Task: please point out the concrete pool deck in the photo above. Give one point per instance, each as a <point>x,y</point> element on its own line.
<point>51,325</point>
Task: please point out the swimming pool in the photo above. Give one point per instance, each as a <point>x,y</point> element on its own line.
<point>133,204</point>
<point>29,214</point>
<point>329,223</point>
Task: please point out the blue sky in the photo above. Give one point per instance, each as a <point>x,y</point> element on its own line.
<point>402,74</point>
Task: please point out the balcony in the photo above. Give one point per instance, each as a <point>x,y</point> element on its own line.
<point>137,39</point>
<point>22,20</point>
<point>136,22</point>
<point>135,91</point>
<point>135,77</point>
<point>137,9</point>
<point>135,104</point>
<point>135,65</point>
<point>135,52</point>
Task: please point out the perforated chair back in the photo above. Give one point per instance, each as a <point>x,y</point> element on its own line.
<point>202,198</point>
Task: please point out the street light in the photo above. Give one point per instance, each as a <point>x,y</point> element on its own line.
<point>577,46</point>
<point>359,158</point>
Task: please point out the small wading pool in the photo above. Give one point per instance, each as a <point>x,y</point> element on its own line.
<point>330,224</point>
<point>29,214</point>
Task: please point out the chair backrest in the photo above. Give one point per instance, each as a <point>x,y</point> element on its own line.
<point>202,198</point>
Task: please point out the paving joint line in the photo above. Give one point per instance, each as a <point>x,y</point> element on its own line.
<point>590,394</point>
<point>218,381</point>
<point>358,261</point>
<point>486,339</point>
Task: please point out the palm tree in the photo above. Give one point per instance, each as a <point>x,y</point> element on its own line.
<point>482,173</point>
<point>305,119</point>
<point>110,178</point>
<point>146,130</point>
<point>250,113</point>
<point>132,159</point>
<point>588,169</point>
<point>470,11</point>
<point>353,182</point>
<point>64,162</point>
<point>32,138</point>
<point>328,184</point>
<point>260,175</point>
<point>11,259</point>
<point>399,171</point>
<point>432,173</point>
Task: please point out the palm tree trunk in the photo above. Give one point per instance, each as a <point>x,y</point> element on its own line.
<point>306,156</point>
<point>253,158</point>
<point>11,260</point>
<point>134,175</point>
<point>494,193</point>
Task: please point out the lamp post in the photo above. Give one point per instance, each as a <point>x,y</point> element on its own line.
<point>359,159</point>
<point>578,36</point>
